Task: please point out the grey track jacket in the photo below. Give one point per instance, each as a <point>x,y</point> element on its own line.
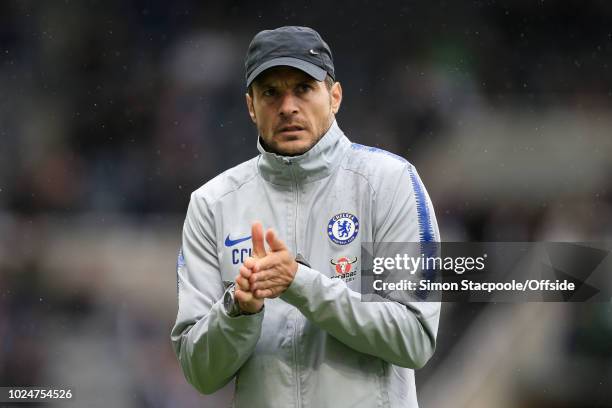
<point>317,345</point>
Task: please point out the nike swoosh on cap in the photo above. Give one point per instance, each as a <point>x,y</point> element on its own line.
<point>231,242</point>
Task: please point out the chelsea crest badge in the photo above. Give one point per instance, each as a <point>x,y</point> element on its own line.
<point>342,229</point>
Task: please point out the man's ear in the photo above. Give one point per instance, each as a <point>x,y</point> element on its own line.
<point>249,102</point>
<point>336,97</point>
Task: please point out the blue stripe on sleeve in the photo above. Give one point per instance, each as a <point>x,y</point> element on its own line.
<point>424,216</point>
<point>180,263</point>
<point>426,231</point>
<point>357,146</point>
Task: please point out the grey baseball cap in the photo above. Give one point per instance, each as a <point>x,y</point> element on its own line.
<point>298,47</point>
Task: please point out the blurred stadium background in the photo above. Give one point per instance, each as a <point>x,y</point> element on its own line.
<point>111,113</point>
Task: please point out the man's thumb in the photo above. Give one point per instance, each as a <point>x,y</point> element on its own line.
<point>257,237</point>
<point>273,241</point>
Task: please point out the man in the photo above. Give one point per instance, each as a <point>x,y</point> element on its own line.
<point>287,321</point>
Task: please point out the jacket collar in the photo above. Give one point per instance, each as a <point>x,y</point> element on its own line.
<point>315,164</point>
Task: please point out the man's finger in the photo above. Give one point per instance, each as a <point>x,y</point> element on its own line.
<point>242,296</point>
<point>261,276</point>
<point>268,262</point>
<point>243,283</point>
<point>257,237</point>
<point>266,293</point>
<point>265,284</point>
<point>274,242</point>
<point>250,262</point>
<point>245,272</point>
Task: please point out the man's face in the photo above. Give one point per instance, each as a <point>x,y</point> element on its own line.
<point>292,110</point>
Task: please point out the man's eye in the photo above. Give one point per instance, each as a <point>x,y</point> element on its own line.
<point>269,92</point>
<point>304,88</point>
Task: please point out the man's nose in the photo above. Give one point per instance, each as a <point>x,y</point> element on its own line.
<point>288,105</point>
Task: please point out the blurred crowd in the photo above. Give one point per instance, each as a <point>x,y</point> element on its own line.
<point>127,107</point>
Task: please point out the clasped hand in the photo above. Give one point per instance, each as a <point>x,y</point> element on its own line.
<point>265,274</point>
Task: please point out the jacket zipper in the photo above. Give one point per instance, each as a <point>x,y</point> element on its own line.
<point>296,320</point>
<point>295,360</point>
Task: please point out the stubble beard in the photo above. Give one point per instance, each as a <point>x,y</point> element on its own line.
<point>274,148</point>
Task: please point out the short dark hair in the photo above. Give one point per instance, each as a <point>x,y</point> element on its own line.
<point>329,82</point>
